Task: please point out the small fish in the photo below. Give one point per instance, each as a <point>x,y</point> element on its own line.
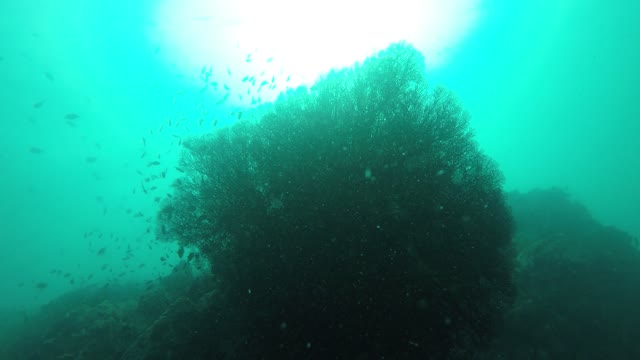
<point>49,76</point>
<point>41,285</point>
<point>226,87</point>
<point>270,59</point>
<point>38,104</point>
<point>239,115</point>
<point>91,159</point>
<point>156,51</point>
<point>223,99</point>
<point>181,252</point>
<point>102,251</point>
<point>35,150</point>
<point>153,163</point>
<point>229,71</point>
<point>244,79</point>
<point>71,116</point>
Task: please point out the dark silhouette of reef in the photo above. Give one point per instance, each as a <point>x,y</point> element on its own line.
<point>577,284</point>
<point>576,299</point>
<point>356,219</point>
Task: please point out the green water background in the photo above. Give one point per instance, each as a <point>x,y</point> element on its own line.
<point>552,88</point>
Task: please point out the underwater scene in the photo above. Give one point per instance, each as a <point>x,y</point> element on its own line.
<point>286,179</point>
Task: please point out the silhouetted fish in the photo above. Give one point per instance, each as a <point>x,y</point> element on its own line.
<point>35,150</point>
<point>223,99</point>
<point>38,104</point>
<point>71,116</point>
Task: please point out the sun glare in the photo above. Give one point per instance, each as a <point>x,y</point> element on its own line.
<point>305,38</point>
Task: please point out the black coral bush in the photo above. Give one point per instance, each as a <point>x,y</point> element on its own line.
<point>355,219</point>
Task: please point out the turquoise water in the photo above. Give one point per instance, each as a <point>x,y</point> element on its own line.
<point>96,104</point>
